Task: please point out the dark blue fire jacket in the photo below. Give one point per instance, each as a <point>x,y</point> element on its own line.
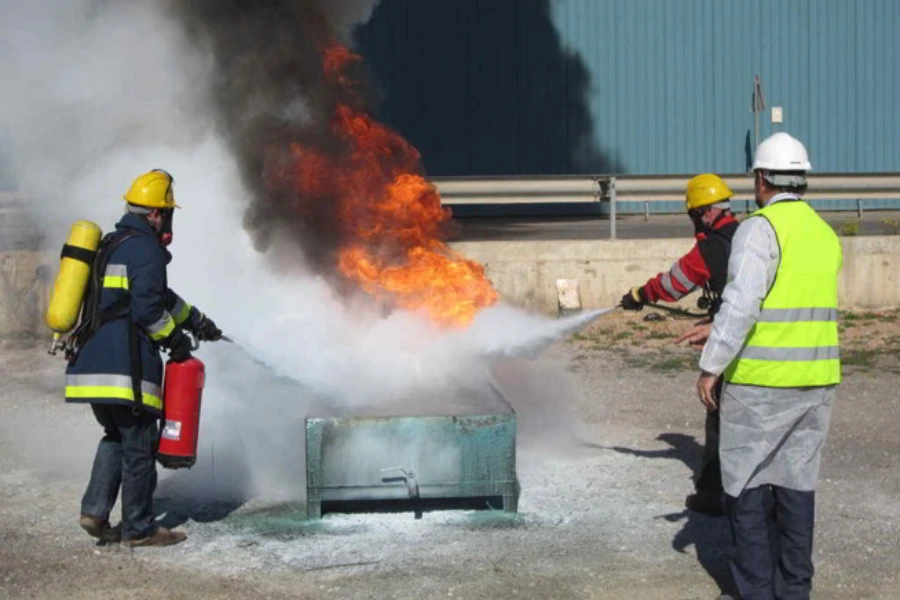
<point>135,277</point>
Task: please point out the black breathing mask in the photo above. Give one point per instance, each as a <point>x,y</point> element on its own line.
<point>165,229</point>
<point>696,216</point>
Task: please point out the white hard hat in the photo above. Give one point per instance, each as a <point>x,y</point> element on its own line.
<point>781,152</point>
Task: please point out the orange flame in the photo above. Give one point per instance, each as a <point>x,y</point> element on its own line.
<point>391,220</point>
<point>335,59</point>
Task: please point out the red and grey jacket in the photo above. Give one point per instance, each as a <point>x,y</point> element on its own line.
<point>705,266</point>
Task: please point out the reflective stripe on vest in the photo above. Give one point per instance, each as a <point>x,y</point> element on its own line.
<point>111,387</point>
<point>795,341</point>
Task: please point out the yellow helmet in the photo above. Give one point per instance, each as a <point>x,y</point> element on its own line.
<point>706,189</point>
<point>152,190</point>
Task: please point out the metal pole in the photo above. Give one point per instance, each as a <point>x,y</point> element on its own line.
<point>755,113</point>
<point>859,208</point>
<point>646,211</point>
<point>612,208</point>
<point>755,130</point>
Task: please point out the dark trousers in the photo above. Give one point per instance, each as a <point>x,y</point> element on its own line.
<point>126,458</point>
<point>772,531</point>
<point>710,479</point>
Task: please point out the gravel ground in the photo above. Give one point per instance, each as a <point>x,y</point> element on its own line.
<point>601,511</point>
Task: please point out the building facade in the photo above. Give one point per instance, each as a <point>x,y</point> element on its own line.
<point>536,87</point>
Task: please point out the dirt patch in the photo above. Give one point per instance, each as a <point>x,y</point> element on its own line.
<point>646,340</point>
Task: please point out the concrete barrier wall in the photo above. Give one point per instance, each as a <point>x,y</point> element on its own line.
<point>25,280</point>
<point>525,273</point>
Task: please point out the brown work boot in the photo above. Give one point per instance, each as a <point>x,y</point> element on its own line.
<point>161,537</point>
<point>100,529</point>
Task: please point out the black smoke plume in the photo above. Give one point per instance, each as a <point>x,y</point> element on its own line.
<point>269,90</point>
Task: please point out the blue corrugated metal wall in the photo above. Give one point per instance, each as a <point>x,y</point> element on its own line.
<point>636,86</point>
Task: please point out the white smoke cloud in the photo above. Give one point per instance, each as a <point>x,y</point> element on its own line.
<point>87,79</point>
<point>345,15</point>
<point>97,92</point>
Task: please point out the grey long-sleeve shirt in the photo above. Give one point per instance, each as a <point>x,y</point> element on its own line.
<point>754,260</point>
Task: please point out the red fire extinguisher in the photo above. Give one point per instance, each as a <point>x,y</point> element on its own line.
<point>182,393</point>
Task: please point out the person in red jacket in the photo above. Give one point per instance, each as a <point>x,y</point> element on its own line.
<point>705,267</point>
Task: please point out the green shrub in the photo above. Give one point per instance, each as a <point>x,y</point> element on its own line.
<point>890,226</point>
<point>850,228</point>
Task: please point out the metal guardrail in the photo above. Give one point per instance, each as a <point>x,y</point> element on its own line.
<point>521,190</point>
<point>610,194</point>
<point>822,186</point>
<point>651,188</point>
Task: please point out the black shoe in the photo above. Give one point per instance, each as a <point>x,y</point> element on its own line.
<point>709,504</point>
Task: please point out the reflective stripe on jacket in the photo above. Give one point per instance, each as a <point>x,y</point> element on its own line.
<point>795,341</point>
<point>705,266</point>
<point>135,276</point>
<point>113,388</point>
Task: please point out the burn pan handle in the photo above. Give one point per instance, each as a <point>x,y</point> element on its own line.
<point>412,485</point>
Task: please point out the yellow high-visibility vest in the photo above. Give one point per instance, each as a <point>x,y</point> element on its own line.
<point>795,341</point>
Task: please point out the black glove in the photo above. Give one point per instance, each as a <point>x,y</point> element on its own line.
<point>634,299</point>
<point>206,330</point>
<point>179,345</point>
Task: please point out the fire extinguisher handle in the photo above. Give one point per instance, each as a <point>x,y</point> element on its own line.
<point>195,343</point>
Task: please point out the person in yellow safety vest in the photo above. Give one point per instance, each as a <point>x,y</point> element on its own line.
<point>129,314</point>
<point>775,339</point>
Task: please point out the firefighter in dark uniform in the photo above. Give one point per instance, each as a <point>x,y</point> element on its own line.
<point>129,314</point>
<point>705,267</point>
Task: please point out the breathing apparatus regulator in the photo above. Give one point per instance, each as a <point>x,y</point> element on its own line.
<point>165,231</point>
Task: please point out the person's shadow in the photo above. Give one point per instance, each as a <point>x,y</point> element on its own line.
<point>215,487</point>
<point>708,535</point>
<point>174,504</point>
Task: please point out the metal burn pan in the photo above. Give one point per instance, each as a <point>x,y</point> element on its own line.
<point>415,463</point>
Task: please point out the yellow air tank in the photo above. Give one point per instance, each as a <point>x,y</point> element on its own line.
<point>74,272</point>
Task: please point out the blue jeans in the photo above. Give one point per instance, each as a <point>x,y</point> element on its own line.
<point>126,458</point>
<point>772,529</point>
